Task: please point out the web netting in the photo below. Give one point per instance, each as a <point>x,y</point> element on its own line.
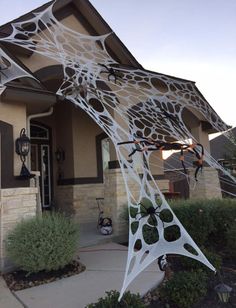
<point>142,113</point>
<point>10,70</point>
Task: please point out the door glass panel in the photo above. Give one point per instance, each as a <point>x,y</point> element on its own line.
<point>45,176</point>
<point>105,153</point>
<point>34,157</point>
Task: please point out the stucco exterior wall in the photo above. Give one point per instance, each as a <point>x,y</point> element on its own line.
<point>14,114</point>
<point>15,204</point>
<point>192,120</point>
<point>64,136</point>
<point>37,61</point>
<point>201,136</point>
<point>84,131</point>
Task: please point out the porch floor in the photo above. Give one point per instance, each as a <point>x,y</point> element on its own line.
<point>105,267</point>
<point>89,236</point>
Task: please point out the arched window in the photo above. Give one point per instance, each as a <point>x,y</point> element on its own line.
<point>39,132</point>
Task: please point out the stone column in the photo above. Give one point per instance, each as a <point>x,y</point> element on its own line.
<point>115,199</point>
<point>16,204</point>
<point>116,203</point>
<point>207,186</point>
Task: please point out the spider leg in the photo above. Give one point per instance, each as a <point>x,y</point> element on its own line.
<point>200,159</point>
<point>104,66</point>
<point>201,146</point>
<point>152,149</point>
<point>196,171</point>
<point>185,170</point>
<point>143,206</point>
<point>126,142</point>
<point>132,153</point>
<point>140,213</point>
<point>182,160</point>
<point>153,221</point>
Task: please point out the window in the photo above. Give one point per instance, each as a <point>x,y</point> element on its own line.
<point>38,132</point>
<point>105,153</point>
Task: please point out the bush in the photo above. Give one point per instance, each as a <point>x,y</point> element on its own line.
<point>111,301</point>
<point>192,264</point>
<point>195,215</point>
<point>43,243</point>
<point>207,221</point>
<point>223,215</point>
<point>185,288</point>
<point>231,240</point>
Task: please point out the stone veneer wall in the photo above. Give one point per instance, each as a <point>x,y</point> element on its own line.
<point>80,201</point>
<point>208,185</point>
<point>116,199</point>
<point>15,204</point>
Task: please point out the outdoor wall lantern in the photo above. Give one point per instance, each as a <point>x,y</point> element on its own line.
<point>60,155</point>
<point>22,149</point>
<point>223,292</point>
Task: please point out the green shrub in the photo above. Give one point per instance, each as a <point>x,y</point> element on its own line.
<point>207,221</point>
<point>195,215</point>
<point>192,264</point>
<point>231,240</point>
<point>111,301</point>
<point>185,288</point>
<point>223,215</point>
<point>43,243</point>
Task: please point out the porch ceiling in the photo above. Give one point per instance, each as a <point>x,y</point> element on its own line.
<point>35,100</point>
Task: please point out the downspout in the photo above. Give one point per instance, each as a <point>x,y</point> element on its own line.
<point>37,174</point>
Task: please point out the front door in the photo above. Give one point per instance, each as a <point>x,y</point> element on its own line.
<point>40,161</point>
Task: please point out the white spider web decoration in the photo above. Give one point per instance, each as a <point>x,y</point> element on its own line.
<point>10,70</point>
<point>125,103</point>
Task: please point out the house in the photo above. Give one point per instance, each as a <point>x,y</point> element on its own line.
<point>224,152</point>
<point>221,149</point>
<point>73,160</point>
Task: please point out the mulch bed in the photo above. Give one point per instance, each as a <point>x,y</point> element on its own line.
<point>19,279</point>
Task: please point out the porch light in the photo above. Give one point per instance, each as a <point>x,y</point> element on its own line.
<point>223,292</point>
<point>60,155</point>
<point>22,149</point>
<point>22,144</point>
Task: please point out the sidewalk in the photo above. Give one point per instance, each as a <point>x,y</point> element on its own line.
<point>105,266</point>
<point>7,299</point>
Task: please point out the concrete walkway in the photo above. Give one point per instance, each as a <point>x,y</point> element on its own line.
<point>7,299</point>
<point>105,265</point>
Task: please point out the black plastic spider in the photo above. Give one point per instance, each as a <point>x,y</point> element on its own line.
<point>150,211</point>
<point>169,116</point>
<point>75,89</point>
<point>147,144</point>
<point>112,73</point>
